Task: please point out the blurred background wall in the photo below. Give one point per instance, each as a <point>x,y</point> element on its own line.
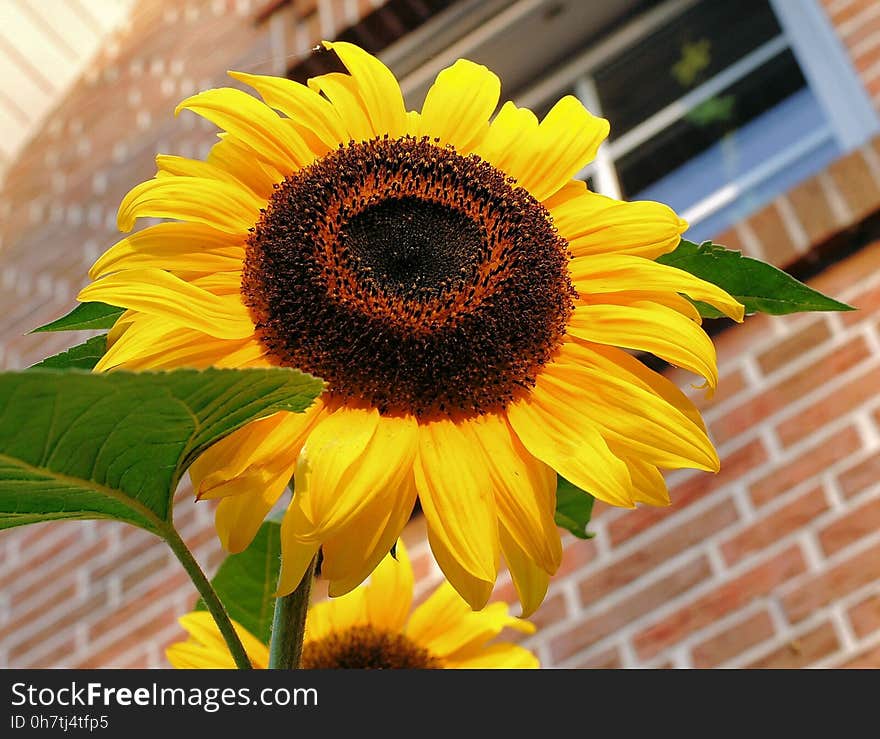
<point>757,120</point>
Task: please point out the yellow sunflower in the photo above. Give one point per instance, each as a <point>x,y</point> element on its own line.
<point>467,302</point>
<point>371,627</point>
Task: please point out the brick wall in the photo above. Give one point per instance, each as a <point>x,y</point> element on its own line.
<point>775,561</point>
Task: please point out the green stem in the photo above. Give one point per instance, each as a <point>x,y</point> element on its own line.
<point>289,624</point>
<point>209,596</point>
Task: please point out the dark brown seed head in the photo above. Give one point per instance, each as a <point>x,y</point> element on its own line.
<point>409,278</point>
<point>366,648</point>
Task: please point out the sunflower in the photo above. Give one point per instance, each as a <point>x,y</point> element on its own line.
<point>468,303</point>
<point>371,627</point>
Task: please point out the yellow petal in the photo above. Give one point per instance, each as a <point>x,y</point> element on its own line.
<point>531,582</point>
<point>447,627</point>
<point>299,103</point>
<point>244,459</point>
<point>222,205</point>
<point>336,614</point>
<point>377,88</point>
<point>189,656</point>
<point>296,555</point>
<point>206,647</point>
<point>595,275</point>
<point>234,156</point>
<point>254,123</point>
<point>356,550</point>
<point>160,293</point>
<point>459,104</point>
<point>617,362</point>
<point>456,495</point>
<point>173,246</point>
<point>597,225</point>
<point>475,590</point>
<point>628,417</point>
<point>648,483</point>
<point>239,517</point>
<point>525,490</point>
<point>342,91</point>
<point>351,457</point>
<point>543,158</point>
<point>389,593</point>
<point>564,439</point>
<point>175,166</point>
<point>498,656</point>
<point>650,327</point>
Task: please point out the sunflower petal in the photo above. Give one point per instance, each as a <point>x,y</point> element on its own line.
<point>619,273</point>
<point>296,555</point>
<point>456,495</point>
<point>596,225</point>
<point>448,628</point>
<point>377,88</point>
<point>299,103</point>
<point>390,591</point>
<point>160,293</point>
<point>352,554</point>
<point>194,247</point>
<point>341,90</point>
<point>629,417</point>
<point>498,656</point>
<point>237,158</point>
<point>525,490</point>
<point>476,591</point>
<point>221,205</point>
<point>531,582</point>
<point>336,614</point>
<point>650,327</point>
<point>459,104</point>
<point>255,123</point>
<point>559,436</point>
<point>350,458</point>
<point>544,157</point>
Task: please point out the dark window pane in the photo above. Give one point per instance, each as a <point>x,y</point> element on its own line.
<point>710,122</point>
<point>680,56</point>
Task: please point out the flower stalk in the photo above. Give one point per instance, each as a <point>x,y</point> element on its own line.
<point>209,596</point>
<point>289,624</point>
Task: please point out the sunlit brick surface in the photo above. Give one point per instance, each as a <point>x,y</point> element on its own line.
<point>774,562</point>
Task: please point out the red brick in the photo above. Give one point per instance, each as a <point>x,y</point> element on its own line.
<point>732,343</point>
<point>866,660</point>
<point>858,523</point>
<point>577,553</point>
<point>866,303</point>
<point>768,226</point>
<point>812,461</point>
<point>647,558</point>
<point>130,610</point>
<point>805,339</point>
<point>843,275</point>
<point>608,660</point>
<point>590,630</point>
<point>803,651</point>
<point>733,466</point>
<point>834,583</point>
<point>733,641</point>
<point>865,616</point>
<point>109,656</point>
<point>853,177</point>
<point>859,477</point>
<point>835,404</point>
<point>731,596</point>
<point>65,566</point>
<point>789,389</point>
<point>729,384</point>
<point>553,610</point>
<point>813,210</point>
<point>770,529</point>
<point>149,566</point>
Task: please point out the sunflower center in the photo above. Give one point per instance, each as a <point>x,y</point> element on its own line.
<point>412,247</point>
<point>409,278</point>
<point>366,648</point>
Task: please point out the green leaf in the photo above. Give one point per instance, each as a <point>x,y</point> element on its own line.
<point>77,445</point>
<point>82,356</point>
<point>246,582</point>
<point>85,316</point>
<point>574,507</point>
<point>760,287</point>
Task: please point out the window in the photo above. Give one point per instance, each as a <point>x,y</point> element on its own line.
<point>716,107</point>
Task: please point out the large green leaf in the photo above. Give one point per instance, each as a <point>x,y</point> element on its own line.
<point>246,582</point>
<point>77,445</point>
<point>574,508</point>
<point>760,287</point>
<point>85,316</point>
<point>82,356</point>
